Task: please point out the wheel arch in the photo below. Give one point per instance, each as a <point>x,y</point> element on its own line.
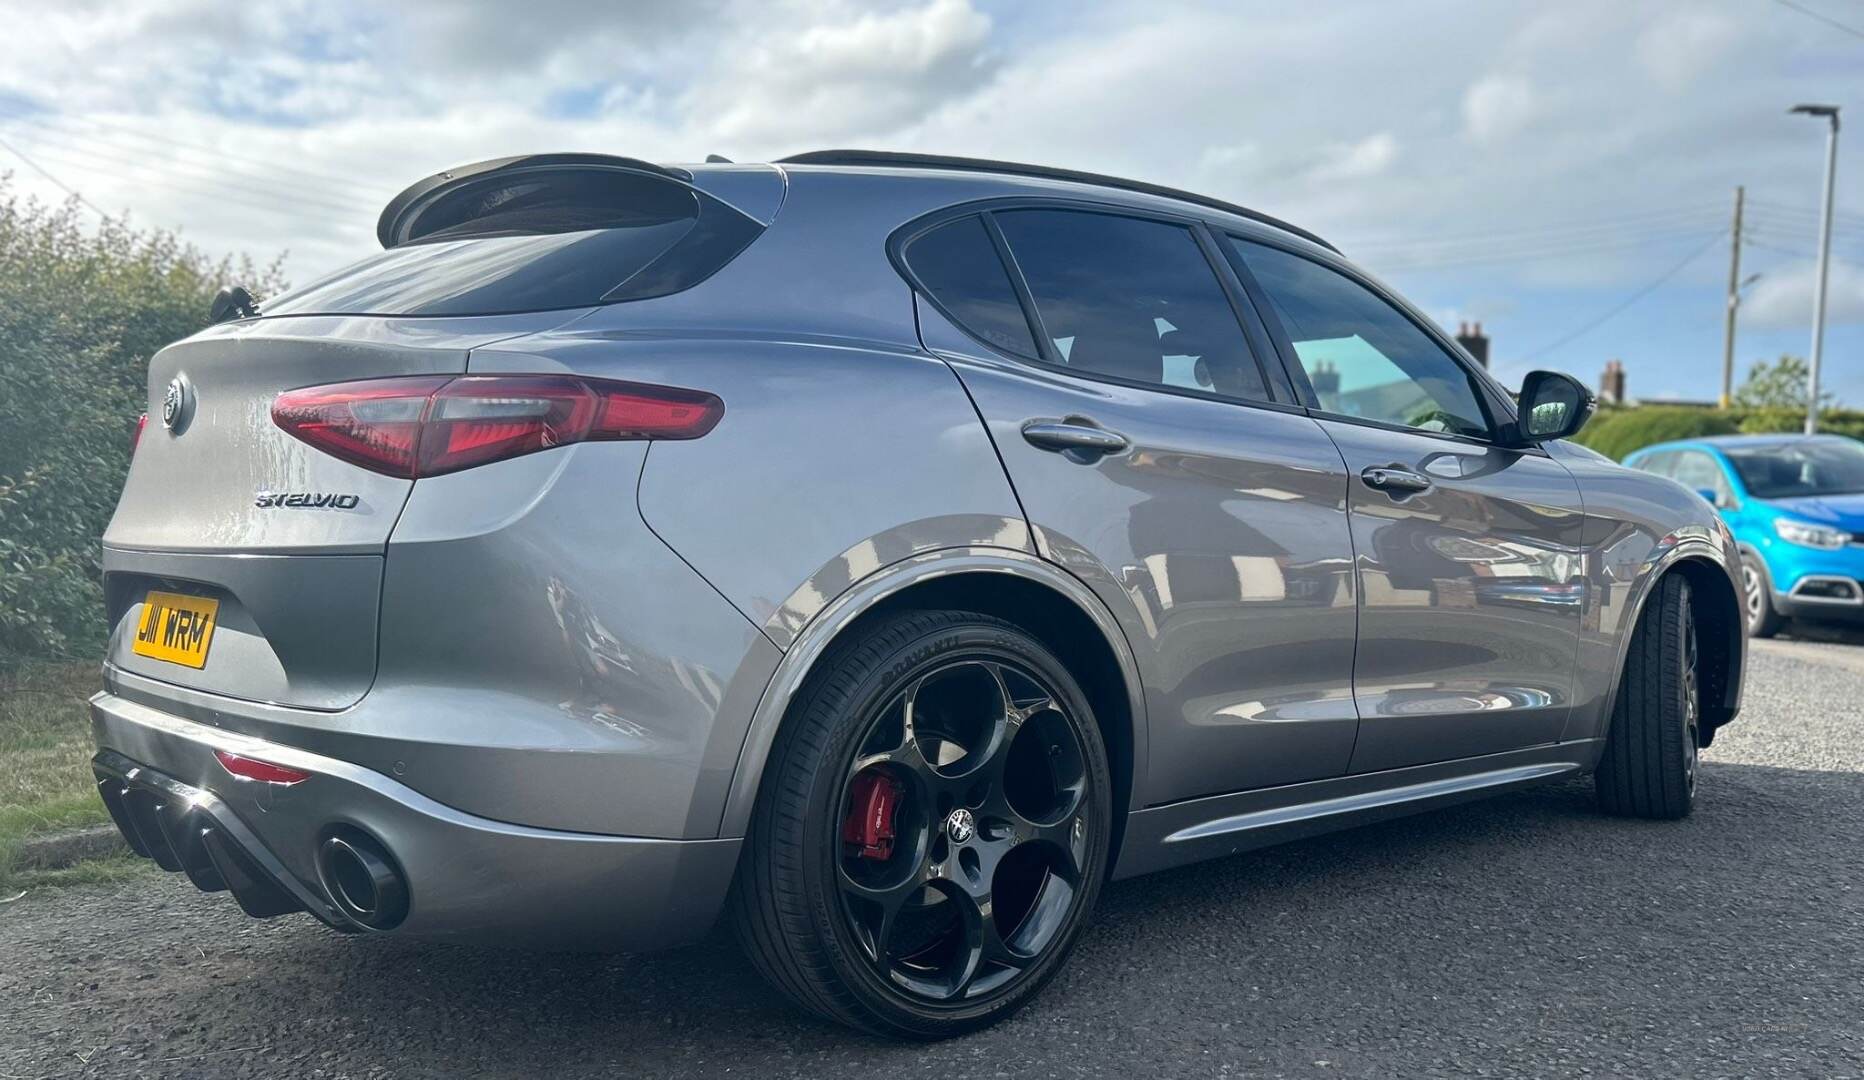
<point>1721,633</point>
<point>1013,585</point>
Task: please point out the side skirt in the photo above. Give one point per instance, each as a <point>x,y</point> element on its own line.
<point>1209,828</point>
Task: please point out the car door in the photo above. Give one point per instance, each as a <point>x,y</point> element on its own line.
<point>1469,559</point>
<point>1161,458</point>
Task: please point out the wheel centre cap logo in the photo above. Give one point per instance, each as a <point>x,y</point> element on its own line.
<point>960,825</point>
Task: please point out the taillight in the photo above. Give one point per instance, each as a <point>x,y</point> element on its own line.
<point>135,435</point>
<point>414,427</point>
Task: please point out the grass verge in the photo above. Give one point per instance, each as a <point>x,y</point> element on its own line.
<point>45,751</point>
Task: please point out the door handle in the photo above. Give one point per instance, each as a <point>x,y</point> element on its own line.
<point>1395,480</point>
<point>1076,437</point>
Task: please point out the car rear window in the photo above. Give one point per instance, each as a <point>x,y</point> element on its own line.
<point>561,238</point>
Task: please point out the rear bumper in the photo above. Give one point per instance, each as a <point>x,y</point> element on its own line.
<point>467,877</point>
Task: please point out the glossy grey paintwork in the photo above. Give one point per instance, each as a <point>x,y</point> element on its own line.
<point>192,490</point>
<point>469,878</point>
<point>293,630</point>
<point>1637,527</point>
<point>1469,615</point>
<point>599,642</point>
<point>1219,539</point>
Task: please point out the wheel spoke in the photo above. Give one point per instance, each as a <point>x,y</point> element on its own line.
<point>883,904</point>
<point>997,951</point>
<point>957,970</point>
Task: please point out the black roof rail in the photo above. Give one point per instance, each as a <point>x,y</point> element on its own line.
<point>943,161</point>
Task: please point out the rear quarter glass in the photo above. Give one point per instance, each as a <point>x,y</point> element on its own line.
<point>538,242</point>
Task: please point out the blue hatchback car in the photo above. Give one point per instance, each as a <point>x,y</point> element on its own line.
<point>1796,506</point>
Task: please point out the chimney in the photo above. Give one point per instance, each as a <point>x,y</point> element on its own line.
<point>1326,381</point>
<point>1612,383</point>
<point>1473,339</point>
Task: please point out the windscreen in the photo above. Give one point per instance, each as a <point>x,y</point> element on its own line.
<point>1789,470</point>
<point>561,238</point>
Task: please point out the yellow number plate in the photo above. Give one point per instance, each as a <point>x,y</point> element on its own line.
<point>176,628</point>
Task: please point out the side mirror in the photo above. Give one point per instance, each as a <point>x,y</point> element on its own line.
<point>1553,406</point>
<point>1711,496</point>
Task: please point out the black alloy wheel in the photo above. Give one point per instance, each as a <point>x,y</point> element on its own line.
<point>932,830</point>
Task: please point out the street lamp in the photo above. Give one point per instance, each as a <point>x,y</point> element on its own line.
<point>1830,112</point>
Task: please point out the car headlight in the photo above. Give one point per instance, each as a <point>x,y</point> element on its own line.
<point>1806,534</point>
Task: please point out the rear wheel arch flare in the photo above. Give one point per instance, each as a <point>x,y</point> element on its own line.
<point>1013,589</point>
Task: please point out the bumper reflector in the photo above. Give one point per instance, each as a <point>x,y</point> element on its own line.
<point>253,769</point>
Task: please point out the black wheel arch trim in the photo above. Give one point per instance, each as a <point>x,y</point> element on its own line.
<point>814,639</point>
<point>1694,557</point>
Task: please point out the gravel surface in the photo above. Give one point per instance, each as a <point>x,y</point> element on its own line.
<point>1523,936</point>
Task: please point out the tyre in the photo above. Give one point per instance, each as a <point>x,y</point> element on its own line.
<point>932,829</point>
<point>1649,766</point>
<point>1757,598</point>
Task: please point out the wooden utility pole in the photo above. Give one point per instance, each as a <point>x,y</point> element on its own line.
<point>1734,301</point>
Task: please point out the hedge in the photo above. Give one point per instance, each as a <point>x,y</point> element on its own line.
<point>1616,432</point>
<point>81,311</point>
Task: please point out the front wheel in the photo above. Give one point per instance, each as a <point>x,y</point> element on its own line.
<point>932,830</point>
<point>1649,766</point>
<point>1757,599</point>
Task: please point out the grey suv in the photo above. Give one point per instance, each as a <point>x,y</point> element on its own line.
<point>879,551</point>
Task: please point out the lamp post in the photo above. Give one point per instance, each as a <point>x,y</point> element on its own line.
<point>1830,112</point>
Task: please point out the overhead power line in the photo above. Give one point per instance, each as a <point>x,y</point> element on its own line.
<point>1633,298</point>
<point>1826,19</point>
<point>1541,252</point>
<point>1492,237</point>
<point>167,143</point>
<point>219,194</point>
<point>60,184</point>
<point>189,173</point>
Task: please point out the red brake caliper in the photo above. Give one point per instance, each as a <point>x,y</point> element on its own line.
<point>874,798</point>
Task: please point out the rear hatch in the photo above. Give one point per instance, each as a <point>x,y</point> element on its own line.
<point>243,560</point>
<point>285,541</point>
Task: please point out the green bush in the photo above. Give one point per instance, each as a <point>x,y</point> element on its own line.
<point>1618,432</point>
<point>1831,422</point>
<point>81,312</point>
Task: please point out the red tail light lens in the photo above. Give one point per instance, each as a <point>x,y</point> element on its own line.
<point>135,435</point>
<point>418,427</point>
<point>264,771</point>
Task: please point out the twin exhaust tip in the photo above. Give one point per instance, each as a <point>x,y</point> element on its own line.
<point>362,879</point>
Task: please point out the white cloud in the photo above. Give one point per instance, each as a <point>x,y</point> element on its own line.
<point>1370,156</point>
<point>865,74</point>
<point>1381,127</point>
<point>1682,45</point>
<point>1784,300</point>
<point>1497,106</point>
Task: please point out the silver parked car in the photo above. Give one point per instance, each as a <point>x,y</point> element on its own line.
<point>879,551</point>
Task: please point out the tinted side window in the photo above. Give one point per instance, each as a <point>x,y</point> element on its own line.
<point>1362,355</point>
<point>1131,299</point>
<point>958,264</point>
<point>1698,471</point>
<point>1661,463</point>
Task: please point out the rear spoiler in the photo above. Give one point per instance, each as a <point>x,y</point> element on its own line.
<point>401,217</point>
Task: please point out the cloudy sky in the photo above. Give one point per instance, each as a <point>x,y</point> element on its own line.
<point>1562,172</point>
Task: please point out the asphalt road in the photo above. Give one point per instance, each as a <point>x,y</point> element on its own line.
<point>1524,936</point>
